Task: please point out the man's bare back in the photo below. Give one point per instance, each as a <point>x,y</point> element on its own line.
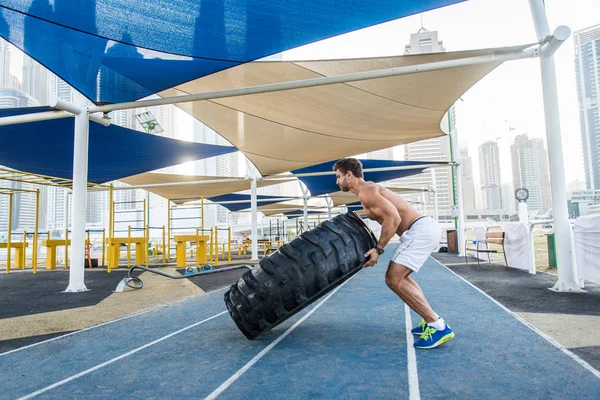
<point>408,214</point>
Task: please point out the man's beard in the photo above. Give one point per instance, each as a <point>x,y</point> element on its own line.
<point>344,188</point>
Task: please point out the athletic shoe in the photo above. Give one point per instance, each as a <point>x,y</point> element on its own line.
<point>433,338</point>
<point>419,330</point>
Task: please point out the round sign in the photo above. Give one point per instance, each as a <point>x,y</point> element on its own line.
<point>454,211</point>
<point>521,194</point>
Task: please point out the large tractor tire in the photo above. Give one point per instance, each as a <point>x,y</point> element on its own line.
<point>299,273</point>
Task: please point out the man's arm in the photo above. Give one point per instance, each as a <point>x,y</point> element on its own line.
<point>386,213</point>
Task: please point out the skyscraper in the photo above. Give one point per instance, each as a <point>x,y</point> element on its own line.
<point>508,199</point>
<point>56,207</point>
<point>491,184</point>
<point>4,64</point>
<point>24,203</point>
<point>385,154</point>
<point>423,42</point>
<point>124,118</point>
<point>436,149</point>
<point>468,185</point>
<point>36,80</point>
<point>530,171</point>
<point>587,69</point>
<point>62,89</point>
<point>23,207</point>
<point>14,98</point>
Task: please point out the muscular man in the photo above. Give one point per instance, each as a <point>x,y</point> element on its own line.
<point>419,237</point>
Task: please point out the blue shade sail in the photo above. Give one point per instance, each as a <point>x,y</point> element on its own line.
<point>46,148</point>
<point>319,185</point>
<point>244,200</point>
<point>300,213</point>
<point>123,50</point>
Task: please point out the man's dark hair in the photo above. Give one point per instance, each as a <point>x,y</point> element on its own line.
<point>349,164</point>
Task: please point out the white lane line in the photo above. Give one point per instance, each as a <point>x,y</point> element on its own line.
<point>260,355</point>
<point>413,374</point>
<point>111,322</point>
<point>580,361</point>
<point>113,360</point>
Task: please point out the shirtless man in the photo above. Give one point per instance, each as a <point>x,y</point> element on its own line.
<point>419,237</point>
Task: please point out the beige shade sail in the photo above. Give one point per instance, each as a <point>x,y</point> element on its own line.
<point>287,130</point>
<point>180,194</point>
<point>273,209</point>
<point>338,198</point>
<point>341,198</point>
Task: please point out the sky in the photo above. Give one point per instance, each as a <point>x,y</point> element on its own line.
<point>509,96</point>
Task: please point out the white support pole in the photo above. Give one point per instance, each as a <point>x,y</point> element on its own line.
<point>66,222</point>
<point>567,275</point>
<point>459,194</point>
<point>254,218</point>
<point>80,173</point>
<point>34,117</point>
<point>305,213</point>
<point>262,227</point>
<point>523,213</point>
<point>329,207</point>
<point>305,201</point>
<point>435,195</point>
<point>532,266</point>
<point>461,211</point>
<point>48,115</point>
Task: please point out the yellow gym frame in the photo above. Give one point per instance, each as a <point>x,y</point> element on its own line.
<point>202,241</point>
<point>13,175</point>
<point>20,247</point>
<point>114,243</point>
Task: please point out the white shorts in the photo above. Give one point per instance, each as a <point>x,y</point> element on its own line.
<point>417,243</point>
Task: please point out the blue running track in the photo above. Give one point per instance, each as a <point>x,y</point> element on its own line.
<point>350,344</point>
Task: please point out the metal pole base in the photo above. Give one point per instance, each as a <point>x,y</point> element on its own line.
<point>566,287</point>
<point>76,289</point>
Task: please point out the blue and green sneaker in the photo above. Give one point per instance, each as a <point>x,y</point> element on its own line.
<point>420,329</point>
<point>433,338</point>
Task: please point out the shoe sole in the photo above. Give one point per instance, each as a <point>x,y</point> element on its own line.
<point>443,340</point>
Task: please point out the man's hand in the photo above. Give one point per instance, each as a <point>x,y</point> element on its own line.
<point>372,258</point>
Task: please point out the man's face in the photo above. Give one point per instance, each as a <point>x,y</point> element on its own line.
<point>341,180</point>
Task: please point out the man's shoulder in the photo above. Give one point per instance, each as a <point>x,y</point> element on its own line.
<point>368,190</point>
<point>370,187</point>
